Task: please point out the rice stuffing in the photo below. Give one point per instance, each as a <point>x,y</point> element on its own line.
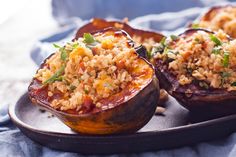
<point>203,58</point>
<point>90,69</point>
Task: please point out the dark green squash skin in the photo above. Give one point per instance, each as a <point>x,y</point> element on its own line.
<point>202,103</point>
<point>127,117</point>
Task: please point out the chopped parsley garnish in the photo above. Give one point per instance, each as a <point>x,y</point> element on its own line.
<point>88,38</point>
<point>215,40</point>
<point>195,25</point>
<point>166,50</point>
<point>233,84</point>
<point>224,76</point>
<point>174,37</point>
<point>56,46</point>
<point>170,54</point>
<point>56,77</point>
<point>72,87</point>
<point>155,50</point>
<point>163,40</point>
<point>149,54</point>
<point>158,48</point>
<point>75,45</point>
<point>86,91</point>
<point>197,40</point>
<point>203,85</point>
<point>226,59</point>
<point>63,52</point>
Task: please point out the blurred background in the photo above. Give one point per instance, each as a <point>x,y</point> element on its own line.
<point>23,23</point>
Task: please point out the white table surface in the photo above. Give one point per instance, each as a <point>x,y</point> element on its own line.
<point>19,30</point>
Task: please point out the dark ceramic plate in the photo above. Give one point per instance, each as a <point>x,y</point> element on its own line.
<point>173,129</point>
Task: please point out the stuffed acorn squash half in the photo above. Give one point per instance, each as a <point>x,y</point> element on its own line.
<point>97,84</point>
<point>218,18</point>
<point>198,68</point>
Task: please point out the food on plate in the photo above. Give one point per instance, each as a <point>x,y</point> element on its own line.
<point>163,98</point>
<point>147,39</point>
<point>220,17</point>
<point>198,69</point>
<point>97,84</point>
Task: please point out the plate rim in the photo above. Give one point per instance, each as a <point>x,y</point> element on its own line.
<point>18,122</point>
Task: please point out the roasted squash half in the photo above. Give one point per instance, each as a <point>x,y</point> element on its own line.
<point>142,36</point>
<point>206,93</point>
<point>218,17</point>
<point>124,111</point>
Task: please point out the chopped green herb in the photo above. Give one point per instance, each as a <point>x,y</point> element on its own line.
<point>203,85</point>
<point>60,78</point>
<point>197,40</point>
<point>215,40</point>
<point>86,91</point>
<point>149,54</point>
<point>225,74</point>
<point>174,37</point>
<point>195,25</point>
<point>156,49</point>
<point>216,50</point>
<point>63,53</point>
<point>75,45</point>
<point>163,40</point>
<point>56,46</point>
<point>56,77</point>
<point>226,59</point>
<point>62,50</point>
<point>233,84</point>
<point>88,38</point>
<point>166,50</point>
<point>72,87</point>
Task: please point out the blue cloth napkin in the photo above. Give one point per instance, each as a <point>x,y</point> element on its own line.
<point>72,14</point>
<point>4,118</point>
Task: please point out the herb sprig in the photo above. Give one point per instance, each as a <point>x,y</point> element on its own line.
<point>226,59</point>
<point>174,37</point>
<point>56,77</point>
<point>64,54</point>
<point>89,40</point>
<point>215,40</point>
